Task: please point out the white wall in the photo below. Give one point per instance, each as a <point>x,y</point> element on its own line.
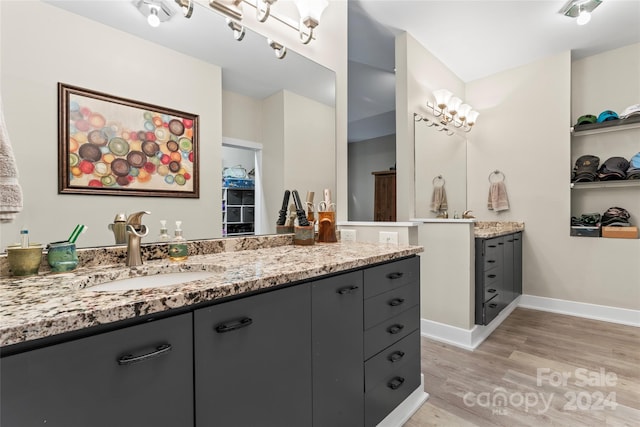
<point>365,157</point>
<point>43,45</point>
<point>523,130</point>
<point>241,117</point>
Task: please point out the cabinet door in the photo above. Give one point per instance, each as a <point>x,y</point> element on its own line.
<point>253,360</point>
<point>338,372</point>
<point>138,376</point>
<point>517,264</point>
<point>507,269</point>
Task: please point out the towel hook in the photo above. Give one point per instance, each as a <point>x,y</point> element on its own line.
<point>497,173</point>
<point>436,179</point>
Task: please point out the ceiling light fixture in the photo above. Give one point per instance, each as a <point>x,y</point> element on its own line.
<point>580,9</point>
<point>156,11</point>
<point>452,111</point>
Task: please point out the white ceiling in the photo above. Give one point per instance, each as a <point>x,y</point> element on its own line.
<point>473,38</point>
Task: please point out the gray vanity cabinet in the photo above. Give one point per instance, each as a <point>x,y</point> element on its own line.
<point>338,372</point>
<point>498,274</point>
<point>138,376</point>
<point>253,360</point>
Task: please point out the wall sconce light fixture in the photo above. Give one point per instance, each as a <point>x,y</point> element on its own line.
<point>451,111</point>
<point>310,12</point>
<point>580,9</point>
<point>237,28</point>
<point>278,49</point>
<point>186,6</point>
<point>156,11</point>
<point>261,14</point>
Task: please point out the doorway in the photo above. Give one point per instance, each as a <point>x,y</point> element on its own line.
<point>245,216</point>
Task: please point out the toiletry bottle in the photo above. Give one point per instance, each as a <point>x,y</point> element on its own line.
<point>178,250</point>
<point>24,237</point>
<point>164,234</point>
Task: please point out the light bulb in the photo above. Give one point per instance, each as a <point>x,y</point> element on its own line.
<point>584,17</point>
<point>153,18</point>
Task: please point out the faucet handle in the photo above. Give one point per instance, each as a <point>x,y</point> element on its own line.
<point>136,218</point>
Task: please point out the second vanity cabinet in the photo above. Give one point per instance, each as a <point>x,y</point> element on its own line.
<point>498,274</point>
<point>342,350</point>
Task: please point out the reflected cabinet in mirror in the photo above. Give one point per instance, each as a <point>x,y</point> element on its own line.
<point>284,109</point>
<point>440,172</point>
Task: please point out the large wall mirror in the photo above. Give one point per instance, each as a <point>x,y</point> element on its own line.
<point>439,160</point>
<point>240,90</point>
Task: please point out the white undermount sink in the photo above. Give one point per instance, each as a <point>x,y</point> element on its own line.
<point>151,281</point>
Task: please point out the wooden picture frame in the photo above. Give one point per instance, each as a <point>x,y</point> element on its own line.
<point>109,145</point>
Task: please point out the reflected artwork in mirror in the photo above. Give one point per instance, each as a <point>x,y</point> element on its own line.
<point>238,89</point>
<point>440,168</point>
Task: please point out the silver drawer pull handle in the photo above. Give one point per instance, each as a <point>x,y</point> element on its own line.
<point>491,291</point>
<point>395,275</point>
<point>128,359</point>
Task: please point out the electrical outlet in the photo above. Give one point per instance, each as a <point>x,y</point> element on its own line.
<point>348,235</point>
<point>389,237</point>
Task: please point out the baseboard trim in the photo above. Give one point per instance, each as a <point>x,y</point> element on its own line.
<point>468,339</point>
<point>605,313</point>
<point>399,416</point>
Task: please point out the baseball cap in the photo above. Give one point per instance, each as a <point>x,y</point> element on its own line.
<point>631,110</point>
<point>607,115</point>
<point>587,118</point>
<point>616,216</point>
<point>613,168</point>
<point>634,167</point>
<point>586,168</point>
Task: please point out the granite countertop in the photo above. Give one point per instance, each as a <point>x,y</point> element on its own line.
<point>49,304</point>
<point>487,229</point>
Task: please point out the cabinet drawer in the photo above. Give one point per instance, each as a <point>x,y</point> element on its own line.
<point>493,252</point>
<point>491,309</point>
<point>389,276</point>
<point>386,305</point>
<point>388,332</point>
<point>391,391</point>
<point>492,283</point>
<point>385,364</point>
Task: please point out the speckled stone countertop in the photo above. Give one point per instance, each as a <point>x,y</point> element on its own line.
<point>49,304</point>
<point>487,229</point>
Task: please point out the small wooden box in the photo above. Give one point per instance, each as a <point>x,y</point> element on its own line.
<point>620,232</point>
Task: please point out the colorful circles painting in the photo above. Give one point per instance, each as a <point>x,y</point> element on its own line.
<point>118,146</point>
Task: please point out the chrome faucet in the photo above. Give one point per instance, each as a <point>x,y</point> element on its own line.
<point>136,230</point>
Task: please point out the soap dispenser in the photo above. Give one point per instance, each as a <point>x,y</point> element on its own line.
<point>164,234</point>
<point>178,250</point>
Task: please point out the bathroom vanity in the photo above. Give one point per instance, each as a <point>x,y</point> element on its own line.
<point>280,336</point>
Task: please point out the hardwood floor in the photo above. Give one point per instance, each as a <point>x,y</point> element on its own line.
<point>536,369</point>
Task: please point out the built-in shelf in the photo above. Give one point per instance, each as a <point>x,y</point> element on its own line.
<point>632,122</point>
<point>605,184</point>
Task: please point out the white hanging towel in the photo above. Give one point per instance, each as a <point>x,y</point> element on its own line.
<point>439,199</point>
<point>498,199</point>
<point>10,190</point>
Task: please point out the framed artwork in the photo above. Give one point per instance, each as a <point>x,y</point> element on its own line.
<point>115,146</point>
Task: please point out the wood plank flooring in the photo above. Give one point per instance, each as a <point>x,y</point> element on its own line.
<point>536,369</point>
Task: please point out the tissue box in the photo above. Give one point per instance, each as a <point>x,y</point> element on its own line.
<point>620,232</point>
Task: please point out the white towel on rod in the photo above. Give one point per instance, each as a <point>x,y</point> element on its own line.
<point>498,199</point>
<point>439,199</point>
<point>10,190</point>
